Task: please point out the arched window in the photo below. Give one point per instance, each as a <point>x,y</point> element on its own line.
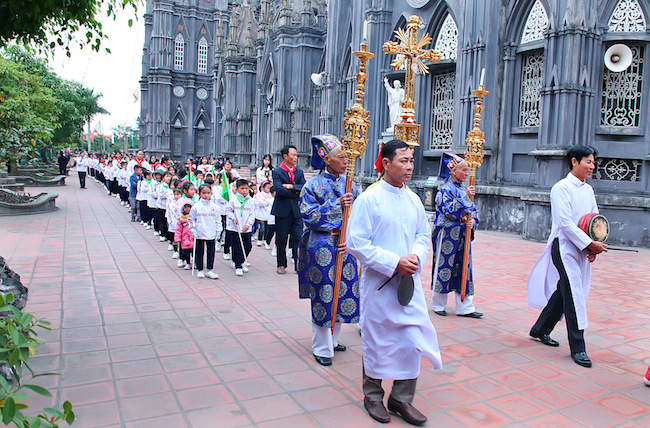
<point>203,56</point>
<point>447,41</point>
<point>444,87</point>
<point>179,48</point>
<point>532,68</point>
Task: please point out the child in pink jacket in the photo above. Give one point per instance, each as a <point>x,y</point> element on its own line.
<point>183,235</point>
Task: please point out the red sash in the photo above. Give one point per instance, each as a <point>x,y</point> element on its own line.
<point>291,172</point>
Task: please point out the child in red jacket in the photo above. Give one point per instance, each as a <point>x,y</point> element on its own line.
<point>183,235</point>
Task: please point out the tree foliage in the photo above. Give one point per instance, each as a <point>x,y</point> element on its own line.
<point>38,22</point>
<point>38,108</point>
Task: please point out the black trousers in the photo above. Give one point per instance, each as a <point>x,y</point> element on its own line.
<point>162,223</point>
<point>286,227</point>
<point>270,231</point>
<point>82,179</point>
<point>237,253</point>
<point>561,302</point>
<point>62,169</point>
<point>226,242</point>
<point>186,253</point>
<point>144,211</point>
<point>153,213</point>
<point>199,253</point>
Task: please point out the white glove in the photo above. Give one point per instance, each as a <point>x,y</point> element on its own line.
<point>193,232</point>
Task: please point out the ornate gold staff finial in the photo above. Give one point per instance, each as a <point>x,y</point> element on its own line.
<point>413,54</point>
<point>353,141</point>
<point>474,157</point>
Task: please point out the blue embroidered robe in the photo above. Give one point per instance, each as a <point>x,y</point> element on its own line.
<point>452,204</point>
<point>322,214</point>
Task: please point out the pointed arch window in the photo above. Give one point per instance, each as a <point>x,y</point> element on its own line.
<point>447,41</point>
<point>203,56</point>
<point>622,93</point>
<point>179,51</point>
<point>532,71</point>
<point>536,24</point>
<point>627,18</point>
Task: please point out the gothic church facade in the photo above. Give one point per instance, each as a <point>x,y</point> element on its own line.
<point>232,77</point>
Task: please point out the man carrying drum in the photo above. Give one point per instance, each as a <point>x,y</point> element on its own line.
<point>559,282</point>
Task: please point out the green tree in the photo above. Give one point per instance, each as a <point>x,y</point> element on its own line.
<point>75,103</point>
<point>27,113</point>
<point>37,22</point>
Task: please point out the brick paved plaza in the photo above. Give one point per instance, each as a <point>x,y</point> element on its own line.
<point>140,343</point>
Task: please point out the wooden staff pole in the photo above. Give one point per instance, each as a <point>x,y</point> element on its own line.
<point>474,157</point>
<point>353,141</point>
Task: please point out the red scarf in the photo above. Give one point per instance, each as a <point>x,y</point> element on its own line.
<point>139,162</point>
<point>291,171</point>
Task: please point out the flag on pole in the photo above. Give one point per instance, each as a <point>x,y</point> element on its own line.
<point>135,96</point>
<point>225,187</point>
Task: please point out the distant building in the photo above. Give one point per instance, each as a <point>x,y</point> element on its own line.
<point>233,78</point>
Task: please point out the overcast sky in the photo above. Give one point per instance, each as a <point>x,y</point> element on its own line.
<point>114,75</point>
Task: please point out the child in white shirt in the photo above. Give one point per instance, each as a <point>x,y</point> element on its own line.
<point>241,216</point>
<point>206,226</point>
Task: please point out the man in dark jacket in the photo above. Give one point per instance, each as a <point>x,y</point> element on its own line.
<point>287,182</point>
<point>63,163</point>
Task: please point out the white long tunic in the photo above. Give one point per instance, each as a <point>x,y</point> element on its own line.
<point>571,199</point>
<point>387,223</point>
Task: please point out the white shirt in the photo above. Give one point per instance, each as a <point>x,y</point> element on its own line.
<point>152,195</point>
<point>263,174</point>
<point>205,219</point>
<point>571,199</point>
<point>163,193</point>
<point>263,205</point>
<point>82,164</point>
<point>387,223</point>
<point>245,218</point>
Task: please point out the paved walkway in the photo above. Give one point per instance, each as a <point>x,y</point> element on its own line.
<point>140,343</point>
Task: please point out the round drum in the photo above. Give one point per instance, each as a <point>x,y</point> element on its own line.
<point>595,226</point>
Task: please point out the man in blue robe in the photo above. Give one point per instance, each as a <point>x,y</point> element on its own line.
<point>453,204</point>
<point>322,200</point>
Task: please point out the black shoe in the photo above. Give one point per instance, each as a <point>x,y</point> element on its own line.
<point>323,361</point>
<point>441,313</point>
<point>376,410</point>
<point>409,413</point>
<point>544,338</point>
<point>581,359</point>
<point>340,348</point>
<point>471,315</point>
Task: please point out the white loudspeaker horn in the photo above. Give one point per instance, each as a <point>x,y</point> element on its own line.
<point>318,78</point>
<point>618,57</point>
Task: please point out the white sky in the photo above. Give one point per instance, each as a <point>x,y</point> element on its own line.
<point>114,75</point>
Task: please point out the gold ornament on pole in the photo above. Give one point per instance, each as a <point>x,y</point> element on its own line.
<point>353,141</point>
<point>413,54</point>
<point>474,157</point>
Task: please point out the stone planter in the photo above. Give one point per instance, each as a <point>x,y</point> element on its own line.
<point>58,180</point>
<point>44,202</point>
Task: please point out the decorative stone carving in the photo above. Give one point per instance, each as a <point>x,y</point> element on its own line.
<point>447,41</point>
<point>201,93</point>
<point>627,18</point>
<point>618,169</point>
<point>179,91</point>
<point>536,24</point>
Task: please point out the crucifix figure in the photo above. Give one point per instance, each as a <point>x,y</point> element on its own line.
<point>411,52</point>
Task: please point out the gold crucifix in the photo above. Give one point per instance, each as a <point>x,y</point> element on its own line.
<point>413,54</point>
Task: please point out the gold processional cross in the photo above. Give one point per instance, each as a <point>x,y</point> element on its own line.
<point>413,54</point>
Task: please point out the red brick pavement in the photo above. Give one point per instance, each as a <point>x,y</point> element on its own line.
<point>140,343</point>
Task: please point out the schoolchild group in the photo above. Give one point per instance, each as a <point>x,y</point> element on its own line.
<point>193,208</point>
